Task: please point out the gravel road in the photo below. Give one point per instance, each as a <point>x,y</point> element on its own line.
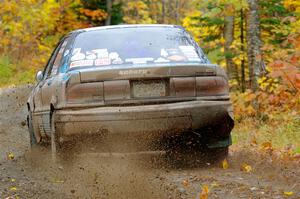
<point>33,174</point>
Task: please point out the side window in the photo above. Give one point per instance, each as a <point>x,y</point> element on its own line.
<point>56,58</point>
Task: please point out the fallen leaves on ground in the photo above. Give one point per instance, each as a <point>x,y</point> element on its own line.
<point>246,168</point>
<point>225,164</point>
<point>267,146</point>
<point>185,183</point>
<point>204,192</point>
<point>288,193</point>
<point>13,189</point>
<point>10,156</point>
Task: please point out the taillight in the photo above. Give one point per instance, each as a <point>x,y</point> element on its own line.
<point>211,86</point>
<point>183,86</point>
<point>85,92</point>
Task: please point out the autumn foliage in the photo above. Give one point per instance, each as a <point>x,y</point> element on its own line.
<point>30,29</point>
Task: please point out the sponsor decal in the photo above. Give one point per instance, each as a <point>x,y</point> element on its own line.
<point>173,51</point>
<point>101,53</point>
<point>139,60</point>
<point>113,55</point>
<point>161,60</point>
<point>177,58</point>
<point>81,63</point>
<point>190,53</point>
<point>117,61</point>
<point>163,53</point>
<point>77,55</point>
<point>90,55</point>
<point>102,61</point>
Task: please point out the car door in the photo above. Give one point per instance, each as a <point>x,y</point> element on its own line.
<point>51,82</point>
<point>37,93</point>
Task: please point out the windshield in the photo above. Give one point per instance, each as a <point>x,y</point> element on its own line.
<point>135,45</point>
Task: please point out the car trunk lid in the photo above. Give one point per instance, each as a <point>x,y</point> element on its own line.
<point>145,72</point>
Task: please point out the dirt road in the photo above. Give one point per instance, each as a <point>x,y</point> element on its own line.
<point>33,174</point>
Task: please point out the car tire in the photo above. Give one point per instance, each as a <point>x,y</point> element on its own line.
<point>190,152</point>
<point>215,155</point>
<point>32,138</point>
<point>55,146</point>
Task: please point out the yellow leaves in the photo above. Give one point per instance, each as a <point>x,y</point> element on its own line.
<point>57,180</point>
<point>246,168</point>
<point>288,193</point>
<point>13,188</point>
<point>292,5</point>
<point>225,164</point>
<point>10,156</point>
<point>222,41</point>
<point>137,12</point>
<point>204,192</point>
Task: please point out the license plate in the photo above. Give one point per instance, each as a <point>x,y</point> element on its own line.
<point>149,88</point>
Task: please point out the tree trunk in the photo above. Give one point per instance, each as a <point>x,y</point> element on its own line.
<point>253,43</point>
<point>243,81</point>
<point>177,11</point>
<point>163,10</point>
<point>228,36</point>
<point>109,10</point>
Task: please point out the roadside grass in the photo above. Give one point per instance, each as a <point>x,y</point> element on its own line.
<point>11,74</point>
<point>282,131</point>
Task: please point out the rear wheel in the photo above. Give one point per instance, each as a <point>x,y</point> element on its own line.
<point>190,152</point>
<point>32,138</point>
<point>55,147</point>
<point>215,155</point>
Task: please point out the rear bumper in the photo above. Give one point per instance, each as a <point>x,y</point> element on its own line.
<point>162,119</point>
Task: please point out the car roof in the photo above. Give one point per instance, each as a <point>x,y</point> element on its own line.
<point>125,26</point>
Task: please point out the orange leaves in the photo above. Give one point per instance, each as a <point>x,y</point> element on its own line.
<point>297,80</point>
<point>95,15</point>
<point>185,183</point>
<point>204,192</point>
<point>266,146</point>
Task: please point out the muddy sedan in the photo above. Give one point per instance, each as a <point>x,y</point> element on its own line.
<point>143,81</point>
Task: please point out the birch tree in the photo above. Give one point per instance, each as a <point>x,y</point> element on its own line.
<point>253,43</point>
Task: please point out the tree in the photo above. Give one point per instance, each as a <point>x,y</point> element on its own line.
<point>137,12</point>
<point>254,43</point>
<point>109,11</point>
<point>229,38</point>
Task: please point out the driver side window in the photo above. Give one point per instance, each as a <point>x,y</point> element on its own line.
<point>55,60</point>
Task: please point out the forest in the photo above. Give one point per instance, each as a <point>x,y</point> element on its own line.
<point>257,42</point>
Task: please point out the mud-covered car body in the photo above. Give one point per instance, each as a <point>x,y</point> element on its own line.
<point>139,80</point>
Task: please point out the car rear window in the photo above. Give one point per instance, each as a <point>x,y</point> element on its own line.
<point>135,46</point>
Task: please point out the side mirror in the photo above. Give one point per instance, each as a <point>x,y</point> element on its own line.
<point>39,76</point>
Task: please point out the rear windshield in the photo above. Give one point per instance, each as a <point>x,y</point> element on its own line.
<point>135,46</point>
